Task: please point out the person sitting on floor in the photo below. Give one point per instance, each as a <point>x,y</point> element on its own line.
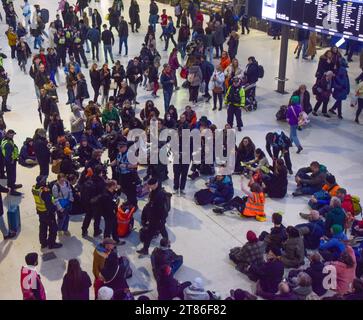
<point>165,256</point>
<point>357,291</point>
<point>27,156</point>
<point>322,197</point>
<point>220,190</point>
<point>312,231</point>
<point>336,215</point>
<point>196,291</point>
<point>244,153</point>
<point>251,205</point>
<point>268,275</point>
<point>276,182</point>
<point>315,271</point>
<point>332,249</point>
<point>304,289</point>
<point>310,179</point>
<point>294,252</point>
<point>251,253</point>
<point>260,162</point>
<point>277,235</point>
<point>285,293</point>
<point>168,287</point>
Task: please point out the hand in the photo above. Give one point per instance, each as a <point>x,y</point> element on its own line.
<point>313,199</point>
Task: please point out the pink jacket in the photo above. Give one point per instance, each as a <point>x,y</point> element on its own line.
<point>345,275</point>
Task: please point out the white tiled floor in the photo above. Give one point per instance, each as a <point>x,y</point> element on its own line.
<point>202,237</point>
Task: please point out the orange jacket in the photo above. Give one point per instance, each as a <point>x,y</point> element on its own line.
<point>225,62</point>
<point>331,190</point>
<point>255,205</point>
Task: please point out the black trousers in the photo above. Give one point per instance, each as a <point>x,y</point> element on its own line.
<point>3,103</point>
<point>234,112</point>
<point>111,227</point>
<point>152,232</point>
<point>319,103</point>
<point>220,98</point>
<point>193,93</point>
<point>44,168</point>
<point>338,105</point>
<point>2,165</point>
<point>170,37</point>
<point>11,173</point>
<point>96,89</point>
<point>46,122</point>
<point>91,213</point>
<point>95,47</point>
<point>128,184</point>
<point>245,25</point>
<point>47,229</point>
<point>286,155</point>
<point>180,175</point>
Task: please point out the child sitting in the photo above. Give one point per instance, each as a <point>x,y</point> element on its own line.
<point>27,156</point>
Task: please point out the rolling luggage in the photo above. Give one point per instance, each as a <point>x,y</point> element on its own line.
<point>14,218</point>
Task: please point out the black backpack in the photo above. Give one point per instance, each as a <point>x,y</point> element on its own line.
<point>167,202</point>
<point>261,71</point>
<point>281,114</point>
<point>44,13</point>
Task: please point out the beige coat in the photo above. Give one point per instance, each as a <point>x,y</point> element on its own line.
<point>311,51</point>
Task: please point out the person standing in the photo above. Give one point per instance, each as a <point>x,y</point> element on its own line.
<point>341,87</point>
<point>153,12</point>
<point>76,282</point>
<point>292,115</point>
<point>26,13</point>
<point>180,168</point>
<point>163,24</point>
<point>167,81</point>
<point>169,33</point>
<point>105,80</point>
<point>4,89</point>
<point>127,174</point>
<point>95,81</point>
<point>10,153</point>
<point>108,41</point>
<point>42,152</point>
<point>94,36</point>
<point>218,38</point>
<point>154,215</point>
<point>359,95</point>
<point>311,50</point>
<point>12,39</point>
<point>46,211</point>
<point>123,33</point>
<point>323,91</point>
<point>174,65</point>
<point>207,72</point>
<point>30,282</point>
<point>96,20</point>
<point>233,44</point>
<point>134,11</point>
<point>7,234</point>
<point>235,99</point>
<point>183,38</point>
<point>109,210</point>
<point>195,79</point>
<point>134,74</point>
<point>216,85</point>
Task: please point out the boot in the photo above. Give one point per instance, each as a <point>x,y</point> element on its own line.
<point>304,215</point>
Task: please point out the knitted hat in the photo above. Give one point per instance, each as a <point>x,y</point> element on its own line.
<point>336,228</point>
<point>295,100</point>
<point>251,236</point>
<point>105,293</point>
<point>198,283</point>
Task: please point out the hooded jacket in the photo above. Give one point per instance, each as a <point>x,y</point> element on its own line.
<point>294,252</point>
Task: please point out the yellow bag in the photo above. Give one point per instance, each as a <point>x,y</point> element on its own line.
<point>107,17</point>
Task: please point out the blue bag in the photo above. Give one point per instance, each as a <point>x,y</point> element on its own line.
<point>14,218</point>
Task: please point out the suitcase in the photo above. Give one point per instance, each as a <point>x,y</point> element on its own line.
<point>14,218</point>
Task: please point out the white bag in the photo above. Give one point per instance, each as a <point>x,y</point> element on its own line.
<point>353,101</point>
<point>113,85</point>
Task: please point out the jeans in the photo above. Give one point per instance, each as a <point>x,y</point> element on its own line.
<point>293,135</point>
<point>303,45</point>
<point>108,48</point>
<point>123,40</point>
<point>4,230</point>
<point>37,42</point>
<point>167,98</point>
<point>71,97</point>
<point>219,48</point>
<point>63,220</point>
<point>182,48</point>
<point>220,98</point>
<point>209,54</point>
<point>95,47</point>
<point>52,74</point>
<point>133,87</point>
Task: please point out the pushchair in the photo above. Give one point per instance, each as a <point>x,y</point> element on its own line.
<point>250,93</point>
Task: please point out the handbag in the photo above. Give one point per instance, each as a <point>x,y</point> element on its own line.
<point>184,73</point>
<point>217,90</point>
<point>113,85</point>
<point>56,166</point>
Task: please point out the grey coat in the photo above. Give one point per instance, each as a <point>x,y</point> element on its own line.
<point>294,252</point>
<point>195,73</point>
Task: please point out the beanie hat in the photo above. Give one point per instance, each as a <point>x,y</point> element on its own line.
<point>251,236</point>
<point>67,151</point>
<point>105,293</point>
<point>295,100</point>
<point>337,228</point>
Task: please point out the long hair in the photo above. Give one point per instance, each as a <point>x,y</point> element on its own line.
<point>73,274</point>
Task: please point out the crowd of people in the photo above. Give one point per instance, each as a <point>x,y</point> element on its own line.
<point>94,171</point>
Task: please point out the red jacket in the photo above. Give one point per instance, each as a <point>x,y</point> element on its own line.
<point>347,204</point>
<point>164,20</point>
<point>31,285</point>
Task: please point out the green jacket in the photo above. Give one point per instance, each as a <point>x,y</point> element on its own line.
<point>110,116</point>
<point>4,87</point>
<point>228,99</point>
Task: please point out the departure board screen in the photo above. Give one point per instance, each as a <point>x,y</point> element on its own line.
<point>335,17</point>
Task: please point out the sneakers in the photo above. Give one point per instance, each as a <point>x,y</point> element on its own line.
<point>218,210</point>
<point>261,218</point>
<point>55,246</point>
<point>175,191</point>
<point>332,111</point>
<point>84,234</point>
<point>182,193</point>
<point>304,215</point>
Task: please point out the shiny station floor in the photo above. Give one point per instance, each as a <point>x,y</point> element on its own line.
<point>196,232</point>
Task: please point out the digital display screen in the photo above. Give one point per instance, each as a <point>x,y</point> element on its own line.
<point>335,17</point>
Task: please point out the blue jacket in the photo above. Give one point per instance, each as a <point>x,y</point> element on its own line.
<point>165,82</point>
<point>94,35</point>
<point>335,242</point>
<point>224,188</point>
<point>316,231</point>
<point>341,84</point>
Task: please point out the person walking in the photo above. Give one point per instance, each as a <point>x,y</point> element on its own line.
<point>169,33</point>
<point>359,95</point>
<point>4,89</point>
<point>154,215</point>
<point>183,38</point>
<point>235,99</point>
<point>134,11</point>
<point>10,153</point>
<point>108,41</point>
<point>323,90</point>
<point>134,74</point>
<point>153,14</point>
<point>42,151</point>
<point>341,88</point>
<point>178,9</point>
<point>292,115</point>
<point>195,79</point>
<point>123,33</point>
<point>167,81</point>
<point>94,74</point>
<point>12,39</point>
<point>46,212</point>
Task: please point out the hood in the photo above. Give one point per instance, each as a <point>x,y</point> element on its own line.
<point>227,180</point>
<point>323,169</point>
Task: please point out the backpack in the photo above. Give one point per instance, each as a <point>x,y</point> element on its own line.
<point>88,191</point>
<point>44,13</point>
<point>167,202</point>
<point>261,71</point>
<point>281,114</point>
<point>356,205</point>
